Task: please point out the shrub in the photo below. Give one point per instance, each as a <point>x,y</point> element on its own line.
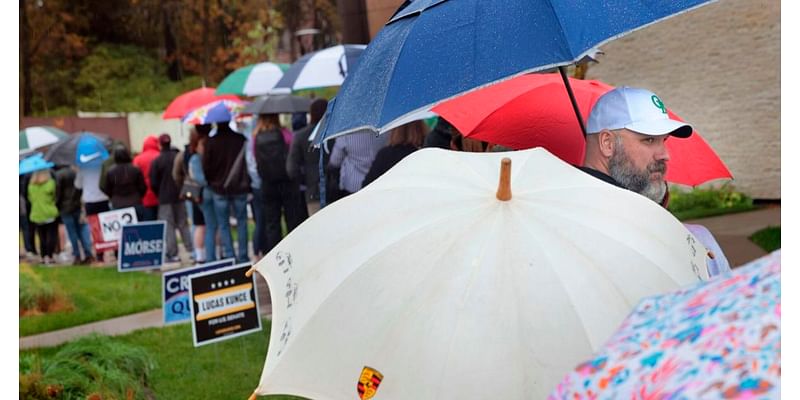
<point>768,238</point>
<point>35,295</point>
<point>92,367</point>
<point>698,202</point>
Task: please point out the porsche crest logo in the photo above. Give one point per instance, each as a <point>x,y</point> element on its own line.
<point>368,383</point>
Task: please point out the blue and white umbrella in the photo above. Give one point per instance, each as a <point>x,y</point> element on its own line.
<point>433,50</point>
<point>322,68</point>
<point>34,163</point>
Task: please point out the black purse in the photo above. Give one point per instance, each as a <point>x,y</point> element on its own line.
<point>191,191</point>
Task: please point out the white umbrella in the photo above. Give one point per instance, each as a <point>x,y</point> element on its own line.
<point>322,68</point>
<point>445,291</point>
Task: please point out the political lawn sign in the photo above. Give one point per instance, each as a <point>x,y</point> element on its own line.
<point>224,304</point>
<point>141,246</point>
<point>106,227</point>
<point>175,289</point>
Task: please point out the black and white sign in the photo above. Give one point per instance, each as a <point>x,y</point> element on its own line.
<point>224,304</point>
<point>111,222</point>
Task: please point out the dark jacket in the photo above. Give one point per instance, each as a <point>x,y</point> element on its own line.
<point>68,197</point>
<point>439,136</point>
<point>303,162</point>
<point>220,154</point>
<point>124,183</point>
<point>161,181</point>
<point>386,158</point>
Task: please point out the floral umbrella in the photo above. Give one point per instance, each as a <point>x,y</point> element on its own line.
<point>720,339</point>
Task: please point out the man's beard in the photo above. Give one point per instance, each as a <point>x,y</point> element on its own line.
<point>621,168</point>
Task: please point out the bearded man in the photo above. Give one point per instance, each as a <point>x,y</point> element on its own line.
<point>626,141</point>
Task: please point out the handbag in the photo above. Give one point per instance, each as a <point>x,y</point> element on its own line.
<point>192,191</point>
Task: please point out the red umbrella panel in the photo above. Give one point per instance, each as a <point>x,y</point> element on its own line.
<point>192,100</point>
<point>534,110</point>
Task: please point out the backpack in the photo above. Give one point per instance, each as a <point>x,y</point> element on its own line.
<point>271,151</point>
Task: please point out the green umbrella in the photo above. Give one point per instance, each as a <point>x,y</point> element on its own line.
<point>252,80</point>
<point>39,136</point>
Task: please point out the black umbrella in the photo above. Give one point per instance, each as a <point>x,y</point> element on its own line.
<point>63,152</point>
<point>278,104</point>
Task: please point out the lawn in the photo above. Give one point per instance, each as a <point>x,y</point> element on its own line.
<point>95,294</point>
<point>768,238</point>
<point>225,370</point>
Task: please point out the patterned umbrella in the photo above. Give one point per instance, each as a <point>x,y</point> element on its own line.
<point>39,136</point>
<point>718,339</point>
<point>191,100</point>
<point>252,80</point>
<point>217,111</point>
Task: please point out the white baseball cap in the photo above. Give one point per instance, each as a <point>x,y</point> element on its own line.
<point>635,109</point>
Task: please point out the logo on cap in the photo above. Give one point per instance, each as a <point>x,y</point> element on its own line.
<point>659,104</point>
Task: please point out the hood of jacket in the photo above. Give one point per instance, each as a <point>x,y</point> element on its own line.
<point>151,144</point>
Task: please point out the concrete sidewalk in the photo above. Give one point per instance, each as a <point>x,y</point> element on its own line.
<point>126,324</point>
<point>731,231</point>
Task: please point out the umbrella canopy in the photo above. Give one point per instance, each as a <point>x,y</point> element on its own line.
<point>82,149</point>
<point>322,68</point>
<point>717,340</point>
<point>436,49</point>
<point>191,100</point>
<point>34,163</point>
<point>252,80</point>
<point>449,292</point>
<point>216,111</point>
<point>278,104</point>
<point>39,136</point>
<point>534,110</point>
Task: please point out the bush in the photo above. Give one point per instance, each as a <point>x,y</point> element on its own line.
<point>768,238</point>
<point>34,295</point>
<point>698,203</point>
<point>95,367</point>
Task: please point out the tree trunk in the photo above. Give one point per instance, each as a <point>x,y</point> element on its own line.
<point>25,44</point>
<point>206,44</point>
<point>170,45</point>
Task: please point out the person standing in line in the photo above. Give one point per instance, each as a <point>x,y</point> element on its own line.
<point>225,170</point>
<point>150,150</point>
<point>206,203</point>
<point>94,200</point>
<point>42,194</point>
<point>124,183</point>
<point>354,154</point>
<point>180,173</point>
<point>68,202</point>
<point>403,141</point>
<point>302,165</point>
<point>170,208</point>
<point>281,194</point>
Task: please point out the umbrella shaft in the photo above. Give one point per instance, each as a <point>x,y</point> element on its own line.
<point>563,72</point>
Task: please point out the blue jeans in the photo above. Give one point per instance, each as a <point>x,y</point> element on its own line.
<point>77,232</point>
<point>222,205</point>
<point>210,215</point>
<point>260,232</point>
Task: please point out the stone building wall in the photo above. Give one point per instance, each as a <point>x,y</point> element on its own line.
<point>718,67</point>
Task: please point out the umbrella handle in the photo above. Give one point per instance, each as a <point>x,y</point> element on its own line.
<point>249,272</point>
<point>504,187</point>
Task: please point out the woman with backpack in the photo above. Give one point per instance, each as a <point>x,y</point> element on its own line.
<point>281,194</point>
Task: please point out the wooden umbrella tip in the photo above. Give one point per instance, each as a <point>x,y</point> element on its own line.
<point>249,272</point>
<point>504,187</point>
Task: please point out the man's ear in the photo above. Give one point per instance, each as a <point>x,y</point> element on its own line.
<point>606,143</point>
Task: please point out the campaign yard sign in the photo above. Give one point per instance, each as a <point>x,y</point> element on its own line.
<point>224,304</point>
<point>175,290</point>
<point>111,222</point>
<point>141,246</point>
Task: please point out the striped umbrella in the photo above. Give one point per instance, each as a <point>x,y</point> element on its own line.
<point>252,80</point>
<point>39,136</point>
<point>323,68</point>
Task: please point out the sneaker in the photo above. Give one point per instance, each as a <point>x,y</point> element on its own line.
<point>88,260</point>
<point>48,261</point>
<point>174,259</point>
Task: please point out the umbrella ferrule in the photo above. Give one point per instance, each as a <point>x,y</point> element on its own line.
<point>504,187</point>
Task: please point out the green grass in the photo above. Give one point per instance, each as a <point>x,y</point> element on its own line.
<point>701,203</point>
<point>96,294</point>
<point>34,294</point>
<point>225,370</point>
<point>91,366</point>
<point>768,238</point>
